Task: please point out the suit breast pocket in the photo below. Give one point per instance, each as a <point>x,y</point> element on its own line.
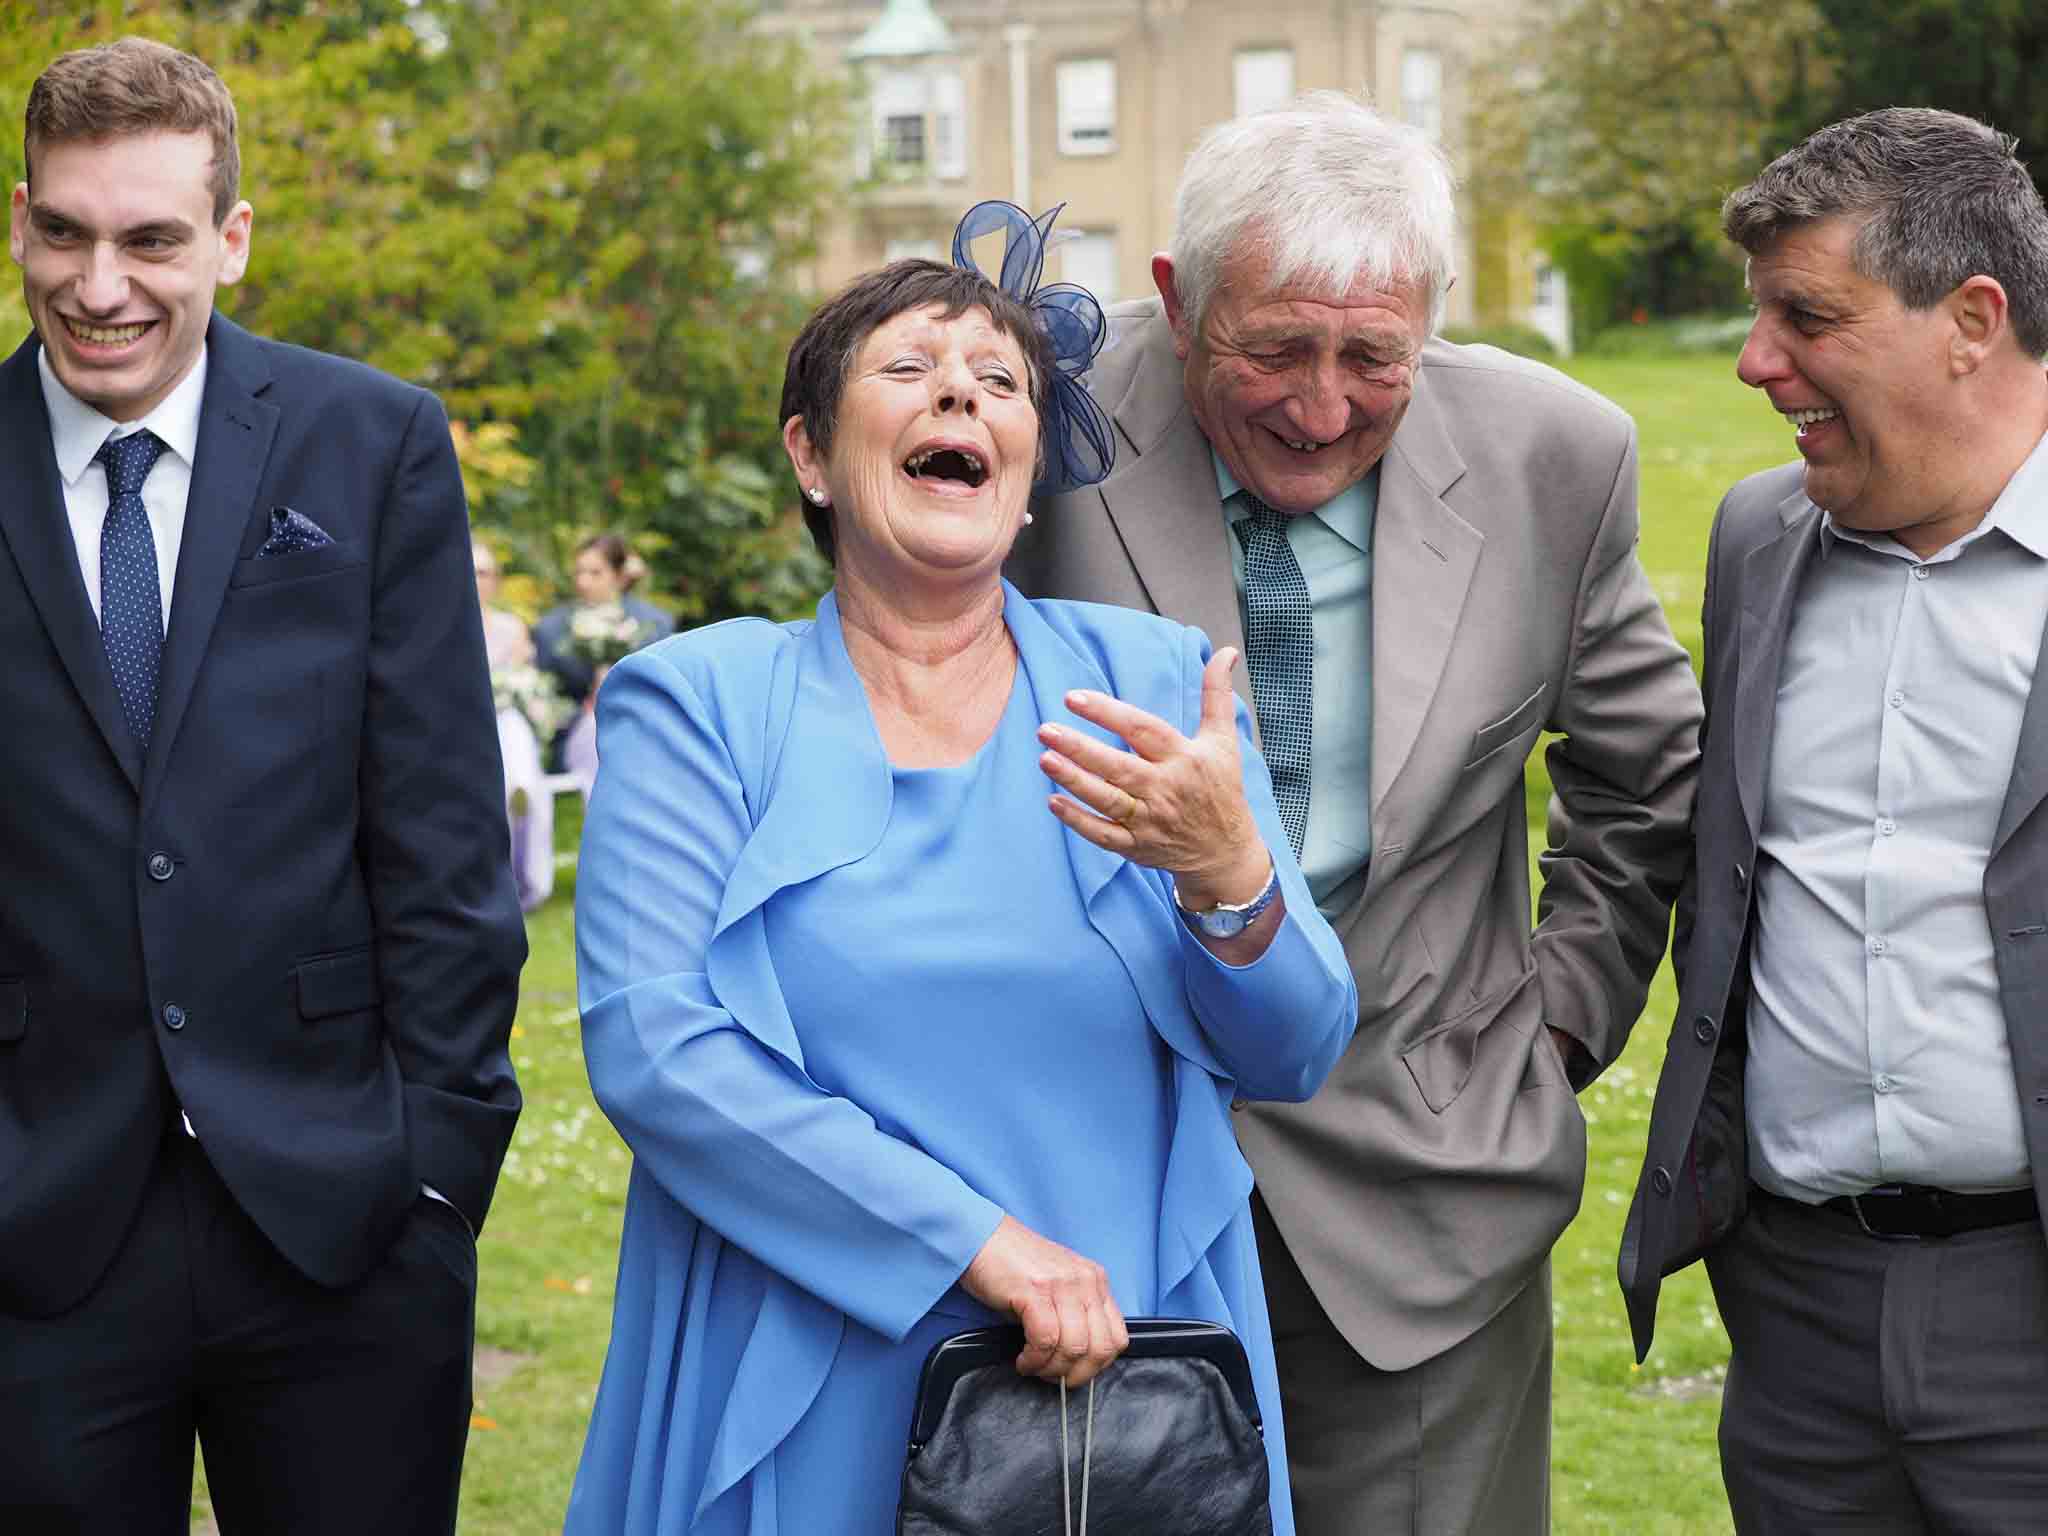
<point>263,570</point>
<point>1519,724</point>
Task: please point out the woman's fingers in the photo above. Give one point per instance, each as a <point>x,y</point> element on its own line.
<point>1072,1325</point>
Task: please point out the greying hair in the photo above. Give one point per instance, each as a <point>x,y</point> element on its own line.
<point>1328,191</point>
<point>1942,198</point>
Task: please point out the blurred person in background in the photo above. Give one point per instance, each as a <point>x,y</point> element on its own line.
<point>507,642</point>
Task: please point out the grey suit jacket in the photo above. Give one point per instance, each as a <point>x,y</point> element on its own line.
<point>1423,1187</point>
<point>1694,1184</point>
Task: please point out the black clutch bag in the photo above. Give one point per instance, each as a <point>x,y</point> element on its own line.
<point>1167,1442</point>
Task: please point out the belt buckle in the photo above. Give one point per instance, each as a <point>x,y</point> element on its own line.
<point>1863,1221</point>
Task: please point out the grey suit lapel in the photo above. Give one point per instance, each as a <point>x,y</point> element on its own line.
<point>1423,559</point>
<point>235,433</point>
<point>1771,574</point>
<point>34,525</point>
<point>1164,504</point>
<point>2029,782</point>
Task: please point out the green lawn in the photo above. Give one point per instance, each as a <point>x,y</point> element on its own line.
<point>1633,1450</point>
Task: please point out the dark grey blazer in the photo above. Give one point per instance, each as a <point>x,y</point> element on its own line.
<point>1694,1184</point>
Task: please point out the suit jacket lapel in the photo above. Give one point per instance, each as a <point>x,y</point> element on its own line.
<point>235,433</point>
<point>1164,506</point>
<point>1423,557</point>
<point>1771,574</point>
<point>34,525</point>
<point>2029,782</point>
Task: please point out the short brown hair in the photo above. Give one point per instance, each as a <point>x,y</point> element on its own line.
<point>824,350</point>
<point>134,86</point>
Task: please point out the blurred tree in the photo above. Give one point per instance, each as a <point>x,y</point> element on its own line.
<point>1621,124</point>
<point>1988,58</point>
<point>579,222</point>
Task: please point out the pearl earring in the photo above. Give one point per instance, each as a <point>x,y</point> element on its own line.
<point>817,495</point>
<point>1027,517</point>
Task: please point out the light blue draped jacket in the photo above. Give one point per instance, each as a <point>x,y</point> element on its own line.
<point>765,1216</point>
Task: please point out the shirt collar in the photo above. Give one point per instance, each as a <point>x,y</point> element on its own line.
<point>2020,513</point>
<point>77,430</point>
<point>1348,514</point>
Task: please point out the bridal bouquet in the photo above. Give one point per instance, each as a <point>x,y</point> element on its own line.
<point>534,695</point>
<point>604,633</point>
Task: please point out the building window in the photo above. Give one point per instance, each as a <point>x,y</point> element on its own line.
<point>949,128</point>
<point>1422,90</point>
<point>1089,260</point>
<point>1265,78</point>
<point>1087,106</point>
<point>899,102</point>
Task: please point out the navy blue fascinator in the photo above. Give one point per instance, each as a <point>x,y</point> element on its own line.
<point>1079,447</point>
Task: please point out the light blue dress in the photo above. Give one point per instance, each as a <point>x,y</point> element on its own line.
<point>847,1016</point>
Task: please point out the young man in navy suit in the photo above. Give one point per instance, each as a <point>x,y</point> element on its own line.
<point>259,947</point>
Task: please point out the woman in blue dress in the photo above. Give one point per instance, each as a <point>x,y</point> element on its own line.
<point>923,949</point>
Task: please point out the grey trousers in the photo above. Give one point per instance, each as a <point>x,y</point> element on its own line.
<point>1882,1387</point>
<point>1456,1446</point>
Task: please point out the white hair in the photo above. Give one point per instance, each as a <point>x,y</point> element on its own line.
<point>1328,191</point>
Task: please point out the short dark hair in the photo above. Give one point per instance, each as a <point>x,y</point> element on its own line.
<point>134,86</point>
<point>1942,197</point>
<point>824,350</point>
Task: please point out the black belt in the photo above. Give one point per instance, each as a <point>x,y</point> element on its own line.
<point>1916,1210</point>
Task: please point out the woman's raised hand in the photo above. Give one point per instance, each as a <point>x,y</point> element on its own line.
<point>1173,802</point>
<point>1072,1325</point>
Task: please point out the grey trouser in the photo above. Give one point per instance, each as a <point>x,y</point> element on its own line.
<point>1884,1387</point>
<point>1456,1446</point>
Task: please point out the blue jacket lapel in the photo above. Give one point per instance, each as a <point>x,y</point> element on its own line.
<point>34,526</point>
<point>235,433</point>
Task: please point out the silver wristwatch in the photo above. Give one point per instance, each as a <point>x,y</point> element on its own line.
<point>1227,921</point>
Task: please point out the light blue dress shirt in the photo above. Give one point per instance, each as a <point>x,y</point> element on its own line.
<point>1877,1039</point>
<point>1333,545</point>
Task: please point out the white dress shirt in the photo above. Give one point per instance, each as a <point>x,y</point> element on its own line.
<point>77,431</point>
<point>1877,1040</point>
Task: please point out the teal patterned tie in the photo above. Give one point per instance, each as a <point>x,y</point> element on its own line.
<point>1280,652</point>
<point>131,601</point>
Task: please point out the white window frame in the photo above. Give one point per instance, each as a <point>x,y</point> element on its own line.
<point>1422,90</point>
<point>1096,248</point>
<point>1261,78</point>
<point>1086,93</point>
<point>946,137</point>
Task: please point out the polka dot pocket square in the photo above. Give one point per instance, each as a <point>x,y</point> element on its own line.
<point>291,533</point>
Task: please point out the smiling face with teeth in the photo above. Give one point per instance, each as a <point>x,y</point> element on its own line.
<point>120,257</point>
<point>933,451</point>
<point>1879,395</point>
<point>1298,389</point>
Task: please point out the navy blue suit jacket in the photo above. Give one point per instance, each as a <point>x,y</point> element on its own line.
<point>293,918</point>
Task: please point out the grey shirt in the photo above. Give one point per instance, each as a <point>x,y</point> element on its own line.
<point>1877,1045</point>
<point>1333,545</point>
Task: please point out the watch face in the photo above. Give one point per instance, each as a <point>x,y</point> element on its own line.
<point>1226,924</point>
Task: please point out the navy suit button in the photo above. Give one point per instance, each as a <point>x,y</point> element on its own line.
<point>174,1016</point>
<point>160,866</point>
<point>1660,1180</point>
<point>1703,1030</point>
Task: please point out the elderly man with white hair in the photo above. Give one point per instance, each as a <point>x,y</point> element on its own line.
<point>1427,554</point>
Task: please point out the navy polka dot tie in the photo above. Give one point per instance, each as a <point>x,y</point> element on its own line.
<point>1280,653</point>
<point>131,601</point>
